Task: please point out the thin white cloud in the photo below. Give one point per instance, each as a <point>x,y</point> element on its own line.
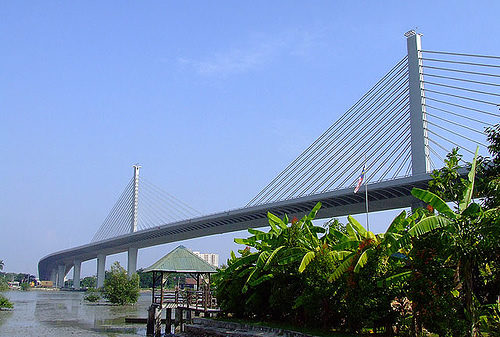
<point>258,51</point>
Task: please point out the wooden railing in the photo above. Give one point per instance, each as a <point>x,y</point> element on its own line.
<point>193,299</point>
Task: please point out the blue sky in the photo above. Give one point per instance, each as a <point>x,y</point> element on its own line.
<point>213,99</point>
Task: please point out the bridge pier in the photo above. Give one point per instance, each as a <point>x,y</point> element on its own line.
<point>132,261</point>
<point>61,272</point>
<point>101,270</point>
<point>53,277</point>
<point>76,274</point>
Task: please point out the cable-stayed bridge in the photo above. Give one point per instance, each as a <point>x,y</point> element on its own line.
<point>401,129</point>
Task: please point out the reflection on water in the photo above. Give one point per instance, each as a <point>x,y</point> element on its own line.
<point>64,313</point>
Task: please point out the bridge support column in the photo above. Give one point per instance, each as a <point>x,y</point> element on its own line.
<point>61,272</point>
<point>53,277</point>
<point>132,261</point>
<point>101,270</point>
<point>76,274</point>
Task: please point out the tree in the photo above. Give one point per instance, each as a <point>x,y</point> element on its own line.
<point>89,282</point>
<point>118,288</point>
<point>266,278</point>
<point>471,237</point>
<point>489,170</point>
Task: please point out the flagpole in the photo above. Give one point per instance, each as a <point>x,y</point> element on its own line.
<point>366,197</point>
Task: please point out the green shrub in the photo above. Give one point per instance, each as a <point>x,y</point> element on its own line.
<point>5,303</point>
<point>118,288</point>
<point>25,286</point>
<point>92,295</point>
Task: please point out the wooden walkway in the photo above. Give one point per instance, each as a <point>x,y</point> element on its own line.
<point>184,303</point>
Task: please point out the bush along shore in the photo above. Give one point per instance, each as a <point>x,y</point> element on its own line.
<point>435,270</point>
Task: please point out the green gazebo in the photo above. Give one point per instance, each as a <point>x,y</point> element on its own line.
<point>179,261</point>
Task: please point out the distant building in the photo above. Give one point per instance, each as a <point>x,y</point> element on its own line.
<point>211,258</point>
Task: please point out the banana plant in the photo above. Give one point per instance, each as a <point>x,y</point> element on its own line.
<point>353,248</point>
<point>469,232</point>
<point>280,246</point>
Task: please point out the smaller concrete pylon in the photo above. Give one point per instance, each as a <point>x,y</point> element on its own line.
<point>53,277</point>
<point>132,261</point>
<point>77,266</point>
<point>61,273</point>
<point>101,270</point>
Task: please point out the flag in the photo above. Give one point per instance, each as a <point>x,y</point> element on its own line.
<point>360,179</point>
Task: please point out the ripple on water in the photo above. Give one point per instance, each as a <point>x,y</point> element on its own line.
<point>63,313</point>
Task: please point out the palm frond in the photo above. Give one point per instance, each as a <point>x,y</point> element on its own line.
<point>395,279</point>
<point>434,201</point>
<point>363,259</point>
<point>428,224</point>
<point>271,257</point>
<point>397,224</point>
<point>261,279</point>
<point>344,266</point>
<point>306,260</point>
<point>357,226</point>
<point>470,186</point>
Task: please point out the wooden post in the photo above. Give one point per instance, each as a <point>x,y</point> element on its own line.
<point>168,322</point>
<point>157,322</point>
<point>153,291</point>
<point>162,289</point>
<point>150,327</point>
<point>178,317</point>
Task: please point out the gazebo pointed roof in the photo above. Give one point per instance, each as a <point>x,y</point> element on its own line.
<point>181,260</point>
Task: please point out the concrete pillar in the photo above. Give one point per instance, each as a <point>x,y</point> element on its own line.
<point>101,270</point>
<point>420,159</point>
<point>132,261</point>
<point>61,272</point>
<point>135,200</point>
<point>76,274</point>
<point>53,277</point>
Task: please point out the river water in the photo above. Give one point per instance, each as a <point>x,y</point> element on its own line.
<point>65,313</point>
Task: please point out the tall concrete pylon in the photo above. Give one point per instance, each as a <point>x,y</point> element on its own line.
<point>420,158</point>
<point>133,251</point>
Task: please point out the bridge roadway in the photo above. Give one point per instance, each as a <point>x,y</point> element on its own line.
<point>385,195</point>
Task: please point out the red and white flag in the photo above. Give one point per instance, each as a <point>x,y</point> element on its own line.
<point>360,179</point>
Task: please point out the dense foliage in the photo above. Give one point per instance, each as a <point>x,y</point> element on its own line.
<point>119,288</point>
<point>436,269</point>
<point>92,295</point>
<point>89,282</point>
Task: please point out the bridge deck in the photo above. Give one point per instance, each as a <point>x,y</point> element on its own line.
<point>385,195</point>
